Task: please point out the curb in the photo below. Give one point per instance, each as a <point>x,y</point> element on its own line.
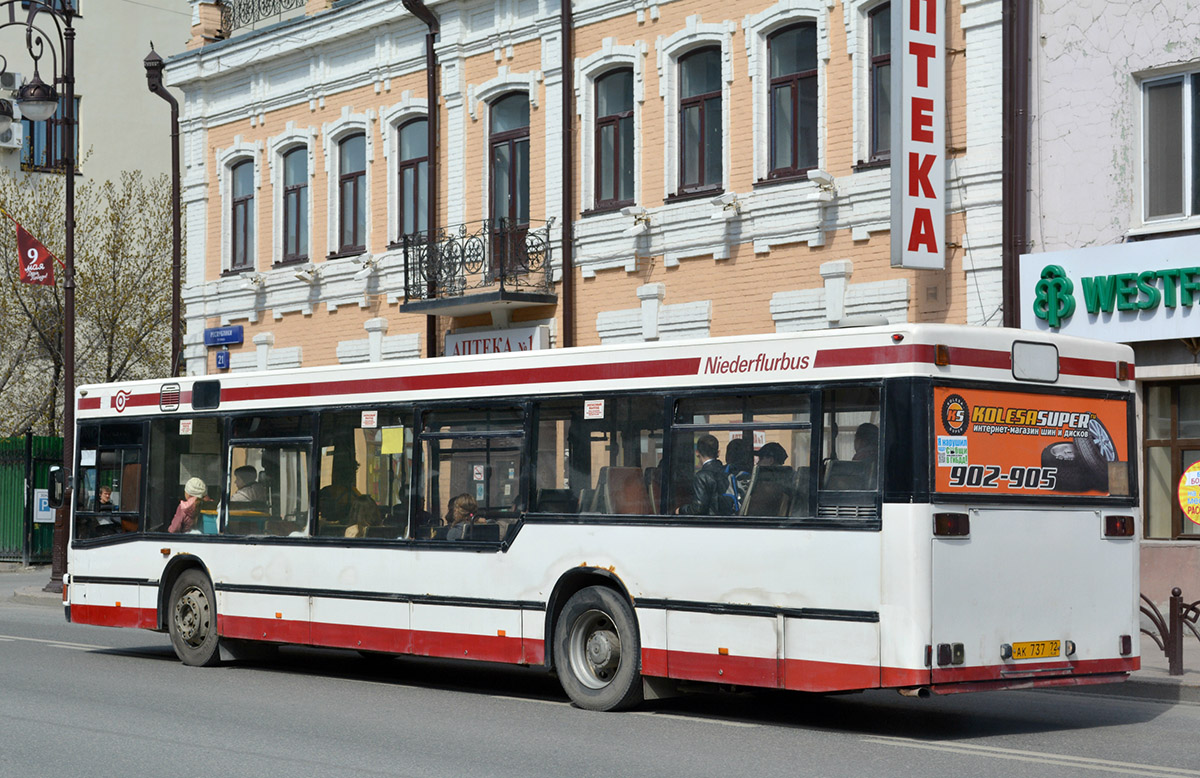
<point>34,595</point>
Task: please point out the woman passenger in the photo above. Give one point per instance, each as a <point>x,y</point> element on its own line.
<point>363,513</point>
<point>189,506</point>
<point>460,515</point>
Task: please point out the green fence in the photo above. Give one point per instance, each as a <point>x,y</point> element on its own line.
<point>20,538</point>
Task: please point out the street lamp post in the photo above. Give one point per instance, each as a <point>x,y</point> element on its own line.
<point>154,68</point>
<point>47,24</point>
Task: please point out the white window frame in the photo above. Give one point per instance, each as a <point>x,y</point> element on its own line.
<point>227,159</point>
<point>391,119</point>
<point>479,102</point>
<point>758,29</point>
<point>587,71</point>
<point>858,39</point>
<point>1185,220</point>
<point>333,133</point>
<point>280,145</point>
<point>695,35</point>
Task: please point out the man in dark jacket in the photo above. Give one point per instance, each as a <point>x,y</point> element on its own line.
<point>709,482</point>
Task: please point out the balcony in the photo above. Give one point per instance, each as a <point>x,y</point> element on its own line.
<point>239,17</point>
<point>478,267</point>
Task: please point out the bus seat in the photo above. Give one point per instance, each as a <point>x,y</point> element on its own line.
<point>556,501</point>
<point>600,500</point>
<point>653,480</point>
<point>586,498</point>
<point>845,475</point>
<point>625,492</point>
<point>768,492</point>
<point>801,481</point>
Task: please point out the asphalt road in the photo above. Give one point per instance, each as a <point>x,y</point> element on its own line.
<point>77,700</point>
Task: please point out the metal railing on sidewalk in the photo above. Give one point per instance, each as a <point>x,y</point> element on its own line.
<point>1169,635</point>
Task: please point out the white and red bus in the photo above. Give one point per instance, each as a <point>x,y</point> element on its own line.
<point>926,508</point>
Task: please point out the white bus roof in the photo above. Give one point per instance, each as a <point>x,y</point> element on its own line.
<point>975,353</point>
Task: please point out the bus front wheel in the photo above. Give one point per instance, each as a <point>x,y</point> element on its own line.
<point>192,621</point>
<point>597,651</point>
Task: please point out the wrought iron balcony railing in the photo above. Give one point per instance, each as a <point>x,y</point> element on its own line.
<point>236,14</point>
<point>475,257</point>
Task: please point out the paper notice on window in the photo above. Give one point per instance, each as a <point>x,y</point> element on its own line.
<point>393,440</point>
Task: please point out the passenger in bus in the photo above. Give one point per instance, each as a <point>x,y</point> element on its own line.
<point>249,488</point>
<point>709,482</point>
<point>866,442</point>
<point>104,498</point>
<point>771,454</point>
<point>334,501</point>
<point>739,461</point>
<point>189,506</point>
<point>460,515</point>
<point>364,513</point>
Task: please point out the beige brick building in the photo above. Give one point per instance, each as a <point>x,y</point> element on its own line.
<point>693,127</point>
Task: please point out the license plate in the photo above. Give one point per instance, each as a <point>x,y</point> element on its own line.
<point>1036,649</point>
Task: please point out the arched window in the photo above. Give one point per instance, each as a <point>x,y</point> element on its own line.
<point>793,58</point>
<point>242,221</point>
<point>880,22</point>
<point>700,130</point>
<point>413,172</point>
<point>352,193</point>
<point>509,160</point>
<point>295,204</point>
<point>614,138</point>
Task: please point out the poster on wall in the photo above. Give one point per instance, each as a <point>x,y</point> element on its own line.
<point>990,442</point>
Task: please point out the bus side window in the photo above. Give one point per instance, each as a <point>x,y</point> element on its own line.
<point>110,480</point>
<point>850,456</point>
<point>182,449</point>
<point>364,475</point>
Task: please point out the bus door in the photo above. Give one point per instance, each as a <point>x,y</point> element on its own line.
<point>1029,579</point>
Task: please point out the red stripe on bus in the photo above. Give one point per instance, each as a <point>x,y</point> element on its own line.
<point>1089,367</point>
<point>114,616</point>
<point>657,368</point>
<point>959,356</point>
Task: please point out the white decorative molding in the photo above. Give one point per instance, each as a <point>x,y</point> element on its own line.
<point>350,352</point>
<point>810,309</point>
<point>655,321</point>
<point>758,29</point>
<point>479,96</point>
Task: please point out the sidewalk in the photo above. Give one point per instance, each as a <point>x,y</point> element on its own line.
<point>26,585</point>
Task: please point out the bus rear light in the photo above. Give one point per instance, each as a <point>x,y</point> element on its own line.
<point>1122,371</point>
<point>897,337</point>
<point>1118,526</point>
<point>951,654</point>
<point>941,355</point>
<point>1126,645</point>
<point>1006,651</point>
<point>951,525</point>
<point>1068,647</point>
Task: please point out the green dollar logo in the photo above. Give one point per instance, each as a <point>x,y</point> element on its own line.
<point>1055,300</point>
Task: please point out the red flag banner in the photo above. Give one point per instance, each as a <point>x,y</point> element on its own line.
<point>34,260</point>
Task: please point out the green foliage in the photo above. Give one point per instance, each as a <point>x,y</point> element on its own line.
<point>122,291</point>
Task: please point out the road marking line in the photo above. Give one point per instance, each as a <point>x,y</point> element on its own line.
<point>700,719</point>
<point>528,699</point>
<point>54,643</point>
<point>1060,760</point>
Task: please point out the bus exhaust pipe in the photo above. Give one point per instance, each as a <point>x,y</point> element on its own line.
<point>921,692</point>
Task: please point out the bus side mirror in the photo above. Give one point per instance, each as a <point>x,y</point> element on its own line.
<point>58,486</point>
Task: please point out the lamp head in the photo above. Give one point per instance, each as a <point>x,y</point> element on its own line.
<point>154,67</point>
<point>37,99</point>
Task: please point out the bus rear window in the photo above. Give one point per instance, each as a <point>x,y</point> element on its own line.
<point>990,442</point>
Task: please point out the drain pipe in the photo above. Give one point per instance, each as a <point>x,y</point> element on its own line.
<point>419,10</point>
<point>1015,167</point>
<point>567,336</point>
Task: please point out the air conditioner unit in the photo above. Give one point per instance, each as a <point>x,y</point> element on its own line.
<point>10,81</point>
<point>13,137</point>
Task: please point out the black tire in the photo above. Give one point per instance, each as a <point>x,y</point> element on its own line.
<point>597,651</point>
<point>1096,451</point>
<point>192,620</point>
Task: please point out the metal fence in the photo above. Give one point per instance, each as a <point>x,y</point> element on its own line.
<point>478,256</point>
<point>25,462</point>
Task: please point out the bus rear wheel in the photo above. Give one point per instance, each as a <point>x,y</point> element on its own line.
<point>192,620</point>
<point>597,650</point>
